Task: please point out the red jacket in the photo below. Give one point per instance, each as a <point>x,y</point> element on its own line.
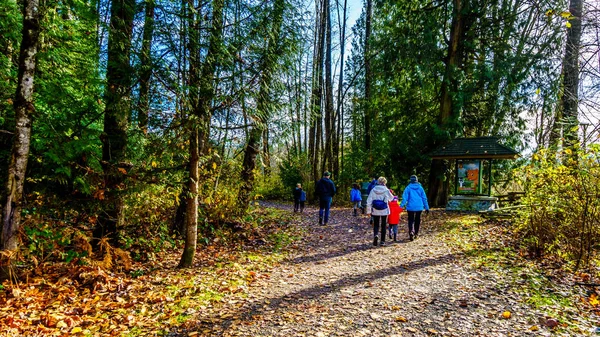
<point>395,210</point>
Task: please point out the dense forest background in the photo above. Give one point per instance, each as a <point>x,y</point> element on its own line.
<point>154,124</point>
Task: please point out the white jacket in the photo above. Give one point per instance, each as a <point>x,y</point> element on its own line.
<point>379,192</point>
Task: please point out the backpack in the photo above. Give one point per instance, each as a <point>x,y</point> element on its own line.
<point>380,205</point>
<point>303,196</point>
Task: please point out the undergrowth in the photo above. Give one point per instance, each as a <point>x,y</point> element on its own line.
<point>546,284</point>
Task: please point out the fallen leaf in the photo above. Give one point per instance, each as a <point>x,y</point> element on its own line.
<point>432,331</point>
<point>551,323</point>
<point>534,328</point>
<point>76,330</point>
<point>401,319</point>
<point>506,315</point>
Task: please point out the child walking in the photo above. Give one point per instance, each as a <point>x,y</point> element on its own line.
<point>394,218</point>
<point>355,198</point>
<point>299,198</point>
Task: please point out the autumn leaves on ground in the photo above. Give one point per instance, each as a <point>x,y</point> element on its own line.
<point>462,277</point>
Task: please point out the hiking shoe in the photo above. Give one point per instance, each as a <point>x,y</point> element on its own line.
<point>382,243</point>
<point>390,234</point>
<point>395,238</point>
<point>411,236</point>
<point>375,239</point>
<point>416,236</point>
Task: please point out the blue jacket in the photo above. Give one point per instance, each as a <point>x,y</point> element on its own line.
<point>414,198</point>
<point>355,195</point>
<point>325,188</point>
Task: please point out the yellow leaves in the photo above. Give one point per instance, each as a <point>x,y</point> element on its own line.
<point>537,91</point>
<point>566,15</point>
<point>154,164</point>
<point>214,166</point>
<point>506,315</point>
<point>549,12</point>
<point>401,319</point>
<point>76,330</point>
<point>568,24</point>
<point>593,300</point>
<point>534,328</point>
<point>122,170</point>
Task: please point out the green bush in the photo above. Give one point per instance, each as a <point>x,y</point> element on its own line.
<point>561,216</point>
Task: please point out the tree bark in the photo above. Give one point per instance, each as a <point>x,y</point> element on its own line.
<point>267,68</point>
<point>24,110</point>
<point>368,75</point>
<point>317,94</point>
<point>339,109</point>
<point>438,186</point>
<point>146,67</point>
<point>116,119</point>
<point>202,92</point>
<point>570,75</point>
<point>327,163</point>
<point>191,209</point>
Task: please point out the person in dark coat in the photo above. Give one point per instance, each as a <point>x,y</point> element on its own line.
<point>325,190</point>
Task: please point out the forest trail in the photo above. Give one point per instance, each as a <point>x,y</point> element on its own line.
<point>338,284</point>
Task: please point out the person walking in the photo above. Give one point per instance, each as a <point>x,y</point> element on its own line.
<point>355,198</point>
<point>325,190</point>
<point>394,218</point>
<point>377,205</point>
<point>414,201</point>
<point>299,198</point>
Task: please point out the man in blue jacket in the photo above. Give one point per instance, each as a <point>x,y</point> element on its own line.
<point>414,201</point>
<point>325,189</point>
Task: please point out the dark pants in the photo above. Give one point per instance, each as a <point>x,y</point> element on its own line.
<point>379,220</point>
<point>324,205</point>
<point>414,221</point>
<point>298,206</point>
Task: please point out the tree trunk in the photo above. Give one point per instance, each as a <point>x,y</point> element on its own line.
<point>317,93</point>
<point>329,116</point>
<point>191,210</point>
<point>368,76</point>
<point>438,185</point>
<point>202,92</point>
<point>116,118</point>
<point>24,110</point>
<point>267,68</point>
<point>265,152</point>
<point>146,67</point>
<point>570,75</point>
<point>339,109</point>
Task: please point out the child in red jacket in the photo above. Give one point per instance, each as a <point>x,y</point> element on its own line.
<point>394,217</point>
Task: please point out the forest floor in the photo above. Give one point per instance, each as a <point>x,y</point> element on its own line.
<point>463,276</point>
<point>459,278</point>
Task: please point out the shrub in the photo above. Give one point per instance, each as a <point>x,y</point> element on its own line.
<point>562,205</point>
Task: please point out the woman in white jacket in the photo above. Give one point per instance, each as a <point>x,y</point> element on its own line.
<point>377,204</point>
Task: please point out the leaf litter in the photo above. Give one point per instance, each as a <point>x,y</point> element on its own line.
<point>331,283</point>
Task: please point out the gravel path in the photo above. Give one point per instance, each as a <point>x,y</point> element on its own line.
<point>338,284</point>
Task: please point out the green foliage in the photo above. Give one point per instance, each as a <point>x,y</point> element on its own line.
<point>293,170</point>
<point>272,188</point>
<point>562,205</point>
<point>48,240</point>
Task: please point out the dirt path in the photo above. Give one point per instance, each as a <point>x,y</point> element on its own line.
<point>338,284</point>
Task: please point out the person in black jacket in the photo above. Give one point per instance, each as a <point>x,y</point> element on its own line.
<point>325,190</point>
